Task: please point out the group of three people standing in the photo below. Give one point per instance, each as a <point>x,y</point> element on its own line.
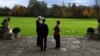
<point>42,33</point>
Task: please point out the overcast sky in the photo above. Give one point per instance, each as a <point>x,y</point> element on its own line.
<point>11,3</point>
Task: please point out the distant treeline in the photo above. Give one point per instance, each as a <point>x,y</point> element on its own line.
<point>41,9</point>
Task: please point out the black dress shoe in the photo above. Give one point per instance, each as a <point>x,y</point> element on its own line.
<point>41,49</point>
<point>38,45</point>
<point>44,50</point>
<point>57,47</point>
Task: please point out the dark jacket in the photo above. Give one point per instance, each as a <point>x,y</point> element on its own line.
<point>44,29</point>
<point>37,25</point>
<point>57,30</point>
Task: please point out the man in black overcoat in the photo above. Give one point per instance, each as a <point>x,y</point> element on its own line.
<point>43,34</point>
<point>38,30</point>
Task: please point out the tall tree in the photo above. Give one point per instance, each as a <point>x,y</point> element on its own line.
<point>32,3</point>
<point>86,13</point>
<point>19,10</point>
<point>64,11</point>
<point>55,11</point>
<point>74,10</point>
<point>97,4</point>
<point>37,8</point>
<point>4,11</point>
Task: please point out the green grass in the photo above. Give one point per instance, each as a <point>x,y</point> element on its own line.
<point>68,26</point>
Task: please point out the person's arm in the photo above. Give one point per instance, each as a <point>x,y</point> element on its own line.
<point>59,30</point>
<point>54,28</point>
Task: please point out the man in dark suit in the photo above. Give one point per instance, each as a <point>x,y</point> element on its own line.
<point>43,34</point>
<point>37,30</point>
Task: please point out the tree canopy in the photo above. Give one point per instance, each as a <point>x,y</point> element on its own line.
<point>40,8</point>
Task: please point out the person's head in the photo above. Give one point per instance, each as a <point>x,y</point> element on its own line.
<point>43,20</point>
<point>58,22</point>
<point>39,17</point>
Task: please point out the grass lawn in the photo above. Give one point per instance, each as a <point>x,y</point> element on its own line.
<point>68,26</point>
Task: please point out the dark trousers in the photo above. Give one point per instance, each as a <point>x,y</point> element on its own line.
<point>57,39</point>
<point>38,39</point>
<point>43,42</point>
